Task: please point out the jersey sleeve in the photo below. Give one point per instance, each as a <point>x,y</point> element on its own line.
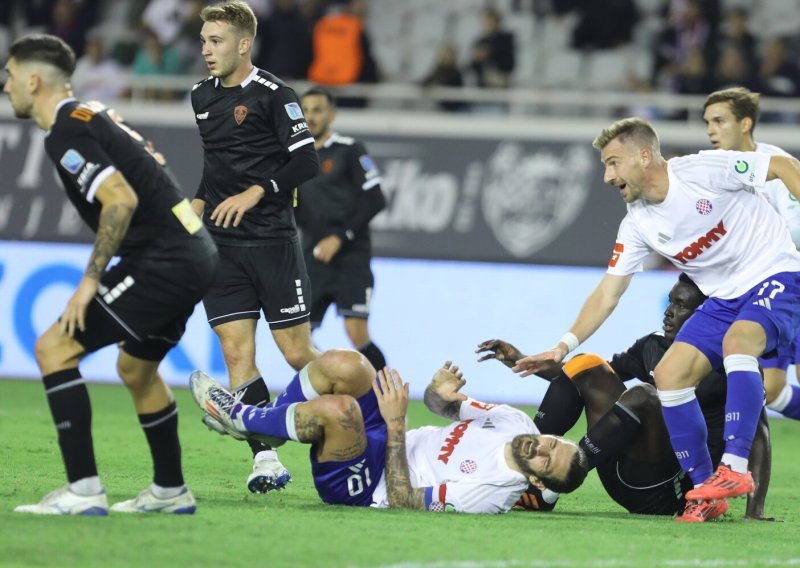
<point>363,168</point>
<point>629,251</point>
<point>746,169</point>
<point>288,120</point>
<point>473,497</point>
<point>630,363</point>
<point>472,409</point>
<point>78,154</point>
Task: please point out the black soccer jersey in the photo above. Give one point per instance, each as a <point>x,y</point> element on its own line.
<point>344,197</point>
<point>249,132</point>
<point>639,362</point>
<point>88,142</point>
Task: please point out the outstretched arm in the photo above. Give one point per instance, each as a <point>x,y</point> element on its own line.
<point>442,396</point>
<point>508,355</point>
<point>598,306</point>
<point>392,397</point>
<point>787,169</point>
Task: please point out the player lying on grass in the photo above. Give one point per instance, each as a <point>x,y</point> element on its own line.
<point>627,440</point>
<point>362,455</point>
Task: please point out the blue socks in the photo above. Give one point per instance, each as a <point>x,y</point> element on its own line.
<point>299,389</point>
<point>276,422</point>
<point>787,402</point>
<point>742,409</point>
<point>687,432</point>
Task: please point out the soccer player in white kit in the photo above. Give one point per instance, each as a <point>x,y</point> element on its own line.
<point>361,454</point>
<point>731,116</point>
<point>702,213</point>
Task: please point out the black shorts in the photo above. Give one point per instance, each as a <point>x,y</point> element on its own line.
<point>645,488</point>
<point>145,304</point>
<point>347,282</point>
<point>271,278</point>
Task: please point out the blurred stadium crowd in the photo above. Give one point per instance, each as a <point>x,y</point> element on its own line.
<point>635,46</point>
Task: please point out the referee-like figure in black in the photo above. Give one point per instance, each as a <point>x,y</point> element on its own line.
<point>256,150</point>
<point>334,213</point>
<point>122,190</point>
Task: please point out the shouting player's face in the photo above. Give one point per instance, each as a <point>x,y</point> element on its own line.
<point>319,114</point>
<point>624,168</point>
<point>724,131</point>
<point>543,456</point>
<point>18,88</point>
<point>223,48</point>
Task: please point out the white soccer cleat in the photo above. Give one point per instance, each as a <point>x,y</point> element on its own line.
<point>268,474</point>
<point>64,501</point>
<point>215,426</point>
<point>218,403</point>
<point>147,502</point>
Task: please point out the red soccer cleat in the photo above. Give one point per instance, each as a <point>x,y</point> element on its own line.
<point>702,511</point>
<point>725,483</point>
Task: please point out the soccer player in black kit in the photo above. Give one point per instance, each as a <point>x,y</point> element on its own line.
<point>122,190</point>
<point>627,440</point>
<point>333,214</point>
<point>256,150</point>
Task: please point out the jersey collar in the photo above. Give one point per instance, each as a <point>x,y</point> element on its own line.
<point>246,81</point>
<point>60,104</point>
<point>331,139</point>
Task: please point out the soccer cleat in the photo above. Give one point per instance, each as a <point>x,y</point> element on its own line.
<point>64,501</point>
<point>147,502</point>
<point>218,403</point>
<point>723,484</point>
<point>702,511</point>
<point>215,426</point>
<point>268,475</point>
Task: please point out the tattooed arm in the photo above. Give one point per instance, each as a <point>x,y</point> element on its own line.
<point>442,396</point>
<point>118,203</point>
<point>392,396</point>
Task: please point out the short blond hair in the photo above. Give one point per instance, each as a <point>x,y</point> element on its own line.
<point>634,129</point>
<point>234,12</point>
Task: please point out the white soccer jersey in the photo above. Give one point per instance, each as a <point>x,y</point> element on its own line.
<point>462,466</point>
<point>712,225</point>
<point>779,196</point>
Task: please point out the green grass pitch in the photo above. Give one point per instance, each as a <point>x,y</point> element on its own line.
<point>293,528</point>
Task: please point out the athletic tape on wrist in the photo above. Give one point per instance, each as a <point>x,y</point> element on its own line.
<point>571,341</point>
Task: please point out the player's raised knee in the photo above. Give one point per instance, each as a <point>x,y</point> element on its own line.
<point>640,398</point>
<point>584,362</point>
<point>341,408</point>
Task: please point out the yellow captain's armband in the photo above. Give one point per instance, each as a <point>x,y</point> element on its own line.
<point>190,221</point>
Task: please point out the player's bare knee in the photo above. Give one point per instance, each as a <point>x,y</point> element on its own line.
<point>341,410</point>
<point>298,356</point>
<point>641,399</point>
<point>54,351</point>
<point>134,376</point>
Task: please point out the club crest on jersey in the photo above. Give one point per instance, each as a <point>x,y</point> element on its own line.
<point>703,206</point>
<point>239,114</point>
<point>468,466</point>
<point>294,111</point>
<point>72,161</point>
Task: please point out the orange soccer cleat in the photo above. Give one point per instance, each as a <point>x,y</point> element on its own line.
<point>702,511</point>
<point>725,483</point>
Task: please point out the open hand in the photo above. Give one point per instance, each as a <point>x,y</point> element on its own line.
<point>231,211</point>
<point>74,316</point>
<point>501,350</point>
<point>545,361</point>
<point>447,381</point>
<point>392,395</point>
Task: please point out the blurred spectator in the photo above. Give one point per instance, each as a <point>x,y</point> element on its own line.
<point>493,57</point>
<point>735,34</point>
<point>154,58</point>
<point>604,25</point>
<point>70,20</point>
<point>693,77</point>
<point>689,33</point>
<point>341,47</point>
<point>285,41</point>
<point>778,74</point>
<point>446,73</point>
<point>732,69</point>
<point>97,76</point>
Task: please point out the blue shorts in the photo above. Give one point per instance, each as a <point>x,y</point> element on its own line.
<point>781,359</point>
<point>353,482</point>
<point>773,303</point>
